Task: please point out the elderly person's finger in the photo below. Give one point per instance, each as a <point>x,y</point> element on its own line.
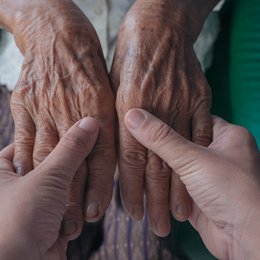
<point>180,201</point>
<point>157,178</point>
<point>46,139</point>
<point>79,143</point>
<point>132,164</point>
<point>202,121</point>
<point>23,139</point>
<point>101,167</point>
<point>73,219</point>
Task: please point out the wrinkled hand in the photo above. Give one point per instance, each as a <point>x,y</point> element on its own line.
<point>64,79</point>
<point>35,204</point>
<point>223,181</point>
<point>155,68</point>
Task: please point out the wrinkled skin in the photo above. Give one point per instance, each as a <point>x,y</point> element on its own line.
<point>155,68</point>
<point>64,79</point>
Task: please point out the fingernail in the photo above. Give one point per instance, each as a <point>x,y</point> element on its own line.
<point>88,124</point>
<point>134,118</point>
<point>69,227</point>
<point>179,210</point>
<point>20,171</point>
<point>161,228</point>
<point>182,212</point>
<point>92,211</point>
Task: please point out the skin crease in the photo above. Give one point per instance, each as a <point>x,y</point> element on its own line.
<point>223,181</point>
<point>63,79</point>
<point>155,68</point>
<point>36,203</point>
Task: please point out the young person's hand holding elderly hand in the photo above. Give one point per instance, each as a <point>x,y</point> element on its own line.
<point>63,79</point>
<point>155,68</point>
<point>223,181</point>
<point>32,207</point>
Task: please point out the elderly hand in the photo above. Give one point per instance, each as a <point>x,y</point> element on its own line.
<point>63,79</point>
<point>155,68</point>
<point>32,207</point>
<point>223,181</point>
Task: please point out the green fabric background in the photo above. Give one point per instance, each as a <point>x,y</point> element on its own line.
<point>235,81</point>
<point>245,65</point>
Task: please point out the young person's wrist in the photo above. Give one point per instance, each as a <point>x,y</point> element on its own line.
<point>248,238</point>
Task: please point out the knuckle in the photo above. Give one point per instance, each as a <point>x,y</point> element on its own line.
<point>72,141</point>
<point>23,149</point>
<point>202,102</point>
<point>22,135</point>
<point>105,151</point>
<point>156,169</point>
<point>159,134</point>
<point>20,95</point>
<point>158,176</point>
<point>37,161</point>
<point>98,167</point>
<point>153,160</point>
<point>134,158</point>
<point>42,151</point>
<point>22,157</point>
<point>102,159</point>
<point>240,133</point>
<point>205,92</point>
<point>202,137</point>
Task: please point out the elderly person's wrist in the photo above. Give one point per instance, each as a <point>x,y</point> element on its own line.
<point>35,23</point>
<point>7,14</point>
<point>198,11</point>
<point>193,14</point>
<point>187,16</point>
<point>32,21</point>
<point>10,10</point>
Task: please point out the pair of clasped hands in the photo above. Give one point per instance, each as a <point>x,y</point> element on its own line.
<point>64,79</point>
